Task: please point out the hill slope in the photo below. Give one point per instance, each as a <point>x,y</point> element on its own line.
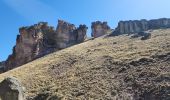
<point>104,68</point>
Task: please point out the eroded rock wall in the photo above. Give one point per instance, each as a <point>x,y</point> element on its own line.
<point>135,26</point>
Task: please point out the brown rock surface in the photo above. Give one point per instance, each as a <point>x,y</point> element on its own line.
<point>11,89</point>
<point>68,34</point>
<point>32,42</point>
<point>99,29</point>
<point>135,26</point>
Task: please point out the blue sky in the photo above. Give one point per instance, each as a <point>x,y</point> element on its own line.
<point>18,13</point>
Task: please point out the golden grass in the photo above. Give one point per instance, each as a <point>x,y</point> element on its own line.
<point>80,72</point>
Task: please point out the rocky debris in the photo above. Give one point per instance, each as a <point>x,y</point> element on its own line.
<point>135,26</point>
<point>11,89</point>
<point>40,39</point>
<point>45,96</point>
<point>142,61</point>
<point>143,35</point>
<point>146,36</point>
<point>99,29</point>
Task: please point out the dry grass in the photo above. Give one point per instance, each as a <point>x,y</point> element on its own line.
<point>96,69</point>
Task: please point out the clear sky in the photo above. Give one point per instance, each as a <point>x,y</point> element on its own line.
<point>17,13</point>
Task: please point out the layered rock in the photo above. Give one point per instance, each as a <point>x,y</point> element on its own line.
<point>41,39</point>
<point>99,29</point>
<point>11,89</point>
<point>135,26</point>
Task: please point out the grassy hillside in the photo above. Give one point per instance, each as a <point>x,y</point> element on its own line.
<point>104,68</point>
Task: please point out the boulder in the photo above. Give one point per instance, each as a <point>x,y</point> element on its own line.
<point>11,89</point>
<point>99,29</point>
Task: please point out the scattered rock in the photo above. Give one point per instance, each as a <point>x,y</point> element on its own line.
<point>142,61</point>
<point>45,96</point>
<point>146,36</point>
<point>11,89</point>
<point>143,35</point>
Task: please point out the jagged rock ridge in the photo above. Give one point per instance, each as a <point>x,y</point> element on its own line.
<point>135,26</point>
<point>41,39</point>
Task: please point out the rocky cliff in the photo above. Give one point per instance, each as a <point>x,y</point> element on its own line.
<point>2,64</point>
<point>99,29</point>
<point>68,34</point>
<point>40,39</point>
<point>135,26</point>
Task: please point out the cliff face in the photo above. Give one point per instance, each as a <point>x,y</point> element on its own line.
<point>41,39</point>
<point>68,34</point>
<point>2,64</point>
<point>99,29</point>
<point>135,26</point>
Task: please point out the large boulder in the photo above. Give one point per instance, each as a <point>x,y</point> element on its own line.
<point>99,29</point>
<point>11,89</point>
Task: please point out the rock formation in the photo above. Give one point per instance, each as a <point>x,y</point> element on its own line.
<point>33,42</point>
<point>2,65</point>
<point>99,29</point>
<point>68,34</point>
<point>11,89</point>
<point>143,35</point>
<point>135,26</point>
<point>41,39</point>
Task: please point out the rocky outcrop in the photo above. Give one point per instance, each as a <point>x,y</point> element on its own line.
<point>11,89</point>
<point>40,39</point>
<point>68,34</point>
<point>99,29</point>
<point>143,35</point>
<point>135,26</point>
<point>33,42</point>
<point>2,65</point>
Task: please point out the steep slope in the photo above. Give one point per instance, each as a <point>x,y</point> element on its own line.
<point>106,68</point>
